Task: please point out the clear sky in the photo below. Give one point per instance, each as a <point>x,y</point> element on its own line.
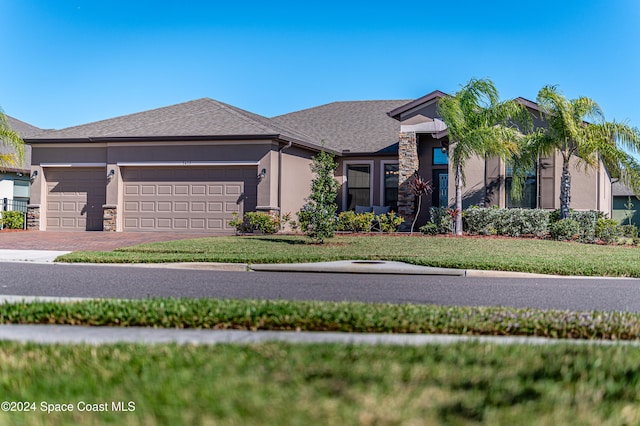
<point>69,62</point>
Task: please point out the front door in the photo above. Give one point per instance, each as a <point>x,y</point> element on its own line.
<point>440,188</point>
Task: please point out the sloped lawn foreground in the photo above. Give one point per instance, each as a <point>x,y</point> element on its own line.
<point>280,384</point>
<point>525,255</point>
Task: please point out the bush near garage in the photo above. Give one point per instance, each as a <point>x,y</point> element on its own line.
<point>13,220</point>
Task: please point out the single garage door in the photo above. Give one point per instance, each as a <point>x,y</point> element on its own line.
<point>188,199</point>
<point>75,198</point>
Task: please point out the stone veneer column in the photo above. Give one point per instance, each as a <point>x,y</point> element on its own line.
<point>109,218</point>
<point>407,166</point>
<point>33,217</point>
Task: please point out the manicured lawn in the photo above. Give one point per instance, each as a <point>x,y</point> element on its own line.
<point>280,384</point>
<point>328,316</point>
<point>526,255</point>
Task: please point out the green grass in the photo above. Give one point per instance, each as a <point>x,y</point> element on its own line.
<point>328,316</point>
<point>525,255</point>
<point>281,384</point>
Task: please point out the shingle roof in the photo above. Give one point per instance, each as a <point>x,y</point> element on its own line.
<point>23,129</point>
<point>201,117</point>
<point>357,126</point>
<point>619,189</point>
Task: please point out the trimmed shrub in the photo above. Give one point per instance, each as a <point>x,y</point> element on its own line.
<point>587,222</point>
<point>441,217</point>
<point>429,229</point>
<point>263,222</point>
<point>628,231</point>
<point>389,222</point>
<point>607,230</point>
<point>366,222</point>
<point>565,230</point>
<point>355,222</point>
<point>481,221</point>
<point>13,220</point>
<point>508,222</point>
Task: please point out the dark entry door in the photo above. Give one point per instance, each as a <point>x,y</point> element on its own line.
<point>440,188</point>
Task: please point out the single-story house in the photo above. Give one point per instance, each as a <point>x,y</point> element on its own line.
<point>189,167</point>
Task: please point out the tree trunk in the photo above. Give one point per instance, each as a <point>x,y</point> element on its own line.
<point>457,228</point>
<point>565,190</point>
<point>415,218</point>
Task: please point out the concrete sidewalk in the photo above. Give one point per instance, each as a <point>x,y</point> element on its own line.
<point>36,256</point>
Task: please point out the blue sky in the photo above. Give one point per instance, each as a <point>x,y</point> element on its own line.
<point>69,62</point>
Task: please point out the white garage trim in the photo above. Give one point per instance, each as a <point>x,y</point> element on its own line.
<point>188,163</point>
<point>73,165</point>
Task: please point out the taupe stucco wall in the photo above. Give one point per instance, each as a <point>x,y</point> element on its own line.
<point>296,180</point>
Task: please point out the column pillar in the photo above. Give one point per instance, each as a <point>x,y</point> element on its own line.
<point>408,165</point>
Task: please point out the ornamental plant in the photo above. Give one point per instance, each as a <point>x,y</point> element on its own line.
<point>419,187</point>
<point>317,218</point>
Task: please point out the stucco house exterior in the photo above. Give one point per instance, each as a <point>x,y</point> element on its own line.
<point>189,167</point>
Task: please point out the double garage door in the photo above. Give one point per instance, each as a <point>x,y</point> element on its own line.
<point>188,199</point>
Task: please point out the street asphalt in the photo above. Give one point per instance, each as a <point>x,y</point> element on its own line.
<point>103,335</point>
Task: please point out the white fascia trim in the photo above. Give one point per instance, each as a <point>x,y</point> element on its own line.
<point>186,163</point>
<point>73,165</point>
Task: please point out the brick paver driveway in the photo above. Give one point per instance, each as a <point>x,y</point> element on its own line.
<point>92,241</point>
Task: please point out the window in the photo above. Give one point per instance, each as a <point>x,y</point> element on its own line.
<point>390,187</point>
<point>439,157</point>
<point>358,185</point>
<point>529,191</point>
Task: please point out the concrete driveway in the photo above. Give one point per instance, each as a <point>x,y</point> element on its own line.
<point>86,241</point>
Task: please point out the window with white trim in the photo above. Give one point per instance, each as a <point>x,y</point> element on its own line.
<point>358,185</point>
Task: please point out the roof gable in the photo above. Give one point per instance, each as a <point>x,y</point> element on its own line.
<point>397,112</point>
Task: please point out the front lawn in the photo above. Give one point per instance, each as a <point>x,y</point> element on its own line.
<point>506,254</point>
<point>284,384</point>
<point>328,316</point>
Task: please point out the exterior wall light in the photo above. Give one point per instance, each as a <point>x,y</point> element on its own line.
<point>111,174</point>
<point>33,175</point>
<point>262,174</point>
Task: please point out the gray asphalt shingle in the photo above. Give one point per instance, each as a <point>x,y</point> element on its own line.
<point>357,126</point>
<point>201,117</point>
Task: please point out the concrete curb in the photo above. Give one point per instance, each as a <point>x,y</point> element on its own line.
<point>73,334</point>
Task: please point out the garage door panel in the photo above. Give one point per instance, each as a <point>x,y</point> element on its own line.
<point>74,198</point>
<point>189,198</point>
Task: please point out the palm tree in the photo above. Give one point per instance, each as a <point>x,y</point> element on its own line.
<point>570,134</point>
<point>12,140</point>
<point>479,125</point>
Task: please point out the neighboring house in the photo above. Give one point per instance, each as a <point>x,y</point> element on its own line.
<point>189,167</point>
<point>626,205</point>
<point>14,181</point>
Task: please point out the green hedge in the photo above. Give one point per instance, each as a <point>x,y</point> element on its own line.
<point>583,226</point>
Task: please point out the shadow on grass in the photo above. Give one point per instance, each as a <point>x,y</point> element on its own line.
<point>281,240</point>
